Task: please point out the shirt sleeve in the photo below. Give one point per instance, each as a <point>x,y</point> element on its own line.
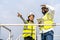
<point>51,10</point>
<point>23,19</point>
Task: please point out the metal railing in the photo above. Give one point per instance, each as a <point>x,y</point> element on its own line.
<point>18,38</point>
<point>10,36</point>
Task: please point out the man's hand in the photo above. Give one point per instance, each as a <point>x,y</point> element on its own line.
<point>19,15</point>
<point>40,21</point>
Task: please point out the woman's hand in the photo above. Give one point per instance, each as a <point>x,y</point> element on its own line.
<point>19,14</point>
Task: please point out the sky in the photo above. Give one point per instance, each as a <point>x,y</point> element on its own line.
<point>9,9</point>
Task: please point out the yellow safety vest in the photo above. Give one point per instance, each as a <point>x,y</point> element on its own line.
<point>47,19</point>
<point>29,31</point>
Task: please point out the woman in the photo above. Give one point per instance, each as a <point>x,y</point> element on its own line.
<point>29,31</point>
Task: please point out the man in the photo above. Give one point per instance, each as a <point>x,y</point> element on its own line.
<point>29,31</point>
<point>48,15</point>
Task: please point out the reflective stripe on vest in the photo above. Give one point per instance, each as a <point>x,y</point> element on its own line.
<point>29,31</point>
<point>47,20</point>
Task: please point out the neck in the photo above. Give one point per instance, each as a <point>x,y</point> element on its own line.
<point>30,21</point>
<point>44,13</point>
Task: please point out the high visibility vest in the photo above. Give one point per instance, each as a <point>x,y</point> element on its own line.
<point>47,19</point>
<point>29,31</point>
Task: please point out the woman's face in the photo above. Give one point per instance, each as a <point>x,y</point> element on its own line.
<point>31,18</point>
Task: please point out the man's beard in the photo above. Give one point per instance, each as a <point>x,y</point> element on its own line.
<point>44,13</point>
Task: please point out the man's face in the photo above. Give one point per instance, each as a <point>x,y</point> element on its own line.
<point>44,10</point>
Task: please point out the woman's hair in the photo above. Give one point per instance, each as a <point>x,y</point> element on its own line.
<point>29,20</point>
